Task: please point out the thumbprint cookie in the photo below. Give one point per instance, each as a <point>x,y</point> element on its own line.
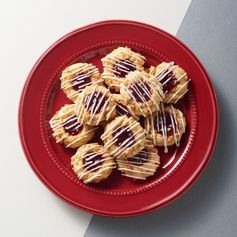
<point>121,107</point>
<point>68,130</point>
<point>123,137</point>
<point>77,76</point>
<point>142,93</point>
<point>141,165</point>
<point>92,163</point>
<point>94,105</point>
<point>174,81</point>
<point>118,64</point>
<point>165,127</point>
<point>128,109</point>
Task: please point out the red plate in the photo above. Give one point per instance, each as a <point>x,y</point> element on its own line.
<point>117,196</point>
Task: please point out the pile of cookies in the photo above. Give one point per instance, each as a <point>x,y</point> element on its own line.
<point>134,107</point>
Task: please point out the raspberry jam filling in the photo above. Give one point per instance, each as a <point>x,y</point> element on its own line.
<point>72,126</point>
<point>123,67</point>
<point>141,91</point>
<point>123,137</point>
<point>122,110</point>
<point>139,159</point>
<point>80,81</point>
<point>169,81</point>
<point>92,161</point>
<point>94,102</point>
<point>165,122</point>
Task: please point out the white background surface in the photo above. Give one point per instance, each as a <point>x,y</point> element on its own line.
<point>28,28</point>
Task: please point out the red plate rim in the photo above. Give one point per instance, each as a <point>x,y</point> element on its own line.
<point>192,178</point>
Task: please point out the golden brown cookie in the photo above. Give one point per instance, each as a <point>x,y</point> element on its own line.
<point>77,76</point>
<point>142,165</point>
<point>118,64</point>
<point>121,107</point>
<point>95,105</point>
<point>174,81</point>
<point>68,130</point>
<point>165,127</point>
<point>142,93</point>
<point>123,137</point>
<point>92,163</point>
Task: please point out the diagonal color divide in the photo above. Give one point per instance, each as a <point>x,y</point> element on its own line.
<point>169,17</point>
<point>209,208</point>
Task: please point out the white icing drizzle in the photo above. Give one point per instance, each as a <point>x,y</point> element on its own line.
<point>124,128</point>
<point>89,165</point>
<point>160,118</point>
<point>178,92</point>
<point>123,108</point>
<point>78,105</point>
<point>57,124</point>
<point>107,133</point>
<point>86,167</point>
<point>147,168</point>
<point>80,152</point>
<point>138,171</point>
<point>79,138</point>
<point>164,72</point>
<point>129,53</point>
<point>134,99</point>
<point>128,143</point>
<point>86,70</point>
<point>137,163</point>
<point>75,93</point>
<point>163,127</point>
<point>116,58</point>
<point>112,59</point>
<point>171,160</point>
<point>158,91</point>
<point>68,121</point>
<point>109,114</point>
<point>136,86</point>
<point>118,152</point>
<point>98,173</point>
<point>126,110</point>
<point>96,103</point>
<point>175,125</point>
<point>80,81</point>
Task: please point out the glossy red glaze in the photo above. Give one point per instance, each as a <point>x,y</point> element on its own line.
<point>118,196</point>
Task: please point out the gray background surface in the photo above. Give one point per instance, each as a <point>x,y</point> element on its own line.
<point>209,208</point>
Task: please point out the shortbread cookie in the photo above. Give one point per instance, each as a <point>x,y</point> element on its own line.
<point>92,163</point>
<point>142,92</point>
<point>174,81</point>
<point>68,130</point>
<point>165,127</point>
<point>77,76</point>
<point>118,64</point>
<point>142,165</point>
<point>95,105</point>
<point>121,107</point>
<point>123,137</point>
